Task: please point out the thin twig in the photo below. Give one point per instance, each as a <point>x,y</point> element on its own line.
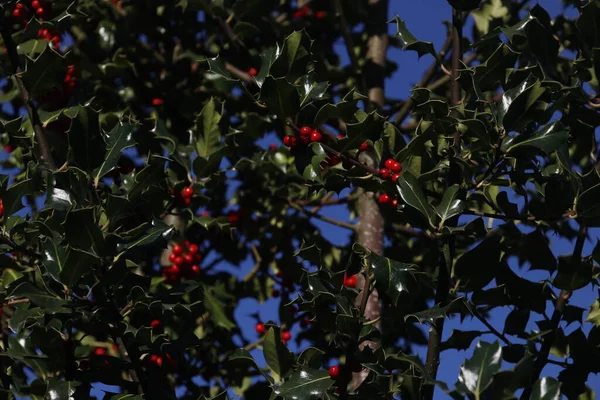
<point>485,322</point>
<point>257,263</point>
<point>323,218</point>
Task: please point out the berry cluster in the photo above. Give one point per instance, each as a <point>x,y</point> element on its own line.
<point>385,198</point>
<point>185,196</point>
<point>261,329</point>
<point>158,360</point>
<point>39,8</point>
<point>350,281</point>
<point>306,10</point>
<point>307,134</point>
<point>51,35</point>
<point>391,169</point>
<point>184,261</point>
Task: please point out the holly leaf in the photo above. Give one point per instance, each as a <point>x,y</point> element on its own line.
<point>392,278</point>
<point>409,42</point>
<point>216,308</point>
<point>546,389</point>
<point>54,257</point>
<point>304,384</point>
<point>44,72</point>
<point>548,139</point>
<point>208,129</point>
<point>410,190</point>
<point>243,356</point>
<point>117,140</point>
<point>216,65</point>
<point>477,373</point>
<point>450,205</point>
<point>280,96</point>
<point>276,354</point>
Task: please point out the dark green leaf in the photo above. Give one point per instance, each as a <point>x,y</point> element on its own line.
<point>42,299</point>
<point>77,264</point>
<point>412,194</point>
<point>117,140</point>
<point>392,278</point>
<point>55,257</point>
<point>409,42</point>
<point>310,90</point>
<point>477,267</point>
<point>13,198</point>
<point>572,273</point>
<point>450,206</point>
<point>477,373</point>
<point>546,389</point>
<point>280,97</point>
<point>217,66</point>
<point>292,59</point>
<point>304,384</point>
<point>45,72</point>
<point>216,308</point>
<point>243,355</point>
<point>548,139</point>
<point>276,354</point>
<point>460,340</point>
<point>83,233</point>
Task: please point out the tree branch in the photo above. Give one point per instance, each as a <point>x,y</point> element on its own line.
<point>13,55</point>
<point>559,307</point>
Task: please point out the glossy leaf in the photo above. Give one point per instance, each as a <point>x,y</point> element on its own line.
<point>208,129</point>
<point>304,384</point>
<point>117,140</point>
<point>548,139</point>
<point>412,194</point>
<point>450,206</point>
<point>477,373</point>
<point>392,278</point>
<point>546,389</point>
<point>278,357</point>
<point>409,42</point>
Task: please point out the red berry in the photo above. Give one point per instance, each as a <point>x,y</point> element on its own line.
<point>179,260</point>
<point>100,351</point>
<point>189,258</point>
<point>35,4</point>
<point>177,249</point>
<point>193,248</point>
<point>48,36</point>
<point>350,281</point>
<point>286,335</point>
<point>364,146</point>
<point>187,201</point>
<point>42,33</point>
<point>334,372</point>
<point>395,177</point>
<point>385,173</point>
<point>233,217</point>
<point>274,293</point>
<point>394,203</point>
<point>40,11</point>
<point>157,101</point>
<point>195,269</point>
<point>396,167</point>
<point>8,148</point>
<point>172,257</point>
<point>20,5</point>
<point>155,323</point>
<point>315,136</point>
<point>197,257</point>
<point>384,198</point>
<point>56,40</point>
<point>16,13</point>
<point>156,360</point>
<point>187,192</point>
<point>272,147</point>
<point>320,14</point>
<point>252,71</point>
<point>67,79</point>
<point>389,162</point>
<point>289,141</point>
<point>174,270</point>
<point>301,12</point>
<point>305,131</point>
<point>260,328</point>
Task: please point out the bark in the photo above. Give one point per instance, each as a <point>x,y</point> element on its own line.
<point>370,227</point>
